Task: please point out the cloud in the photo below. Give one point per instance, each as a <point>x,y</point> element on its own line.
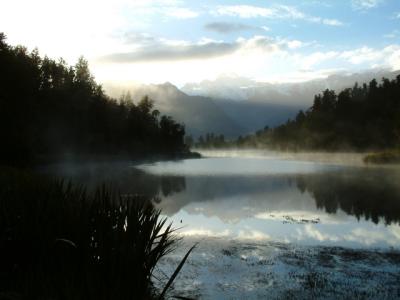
<point>173,53</point>
<point>276,62</point>
<point>366,4</point>
<point>392,35</point>
<point>295,44</point>
<point>332,22</point>
<point>154,50</point>
<point>229,27</point>
<point>138,38</point>
<point>274,12</point>
<point>389,55</point>
<point>253,235</point>
<point>205,232</point>
<point>366,237</point>
<point>364,57</point>
<point>314,233</point>
<point>307,62</point>
<point>245,11</point>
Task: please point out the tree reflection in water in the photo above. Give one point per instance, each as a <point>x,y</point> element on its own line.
<point>370,194</point>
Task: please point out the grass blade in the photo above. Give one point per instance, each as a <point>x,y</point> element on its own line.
<point>178,269</point>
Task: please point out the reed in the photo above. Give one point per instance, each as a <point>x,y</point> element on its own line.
<point>59,242</point>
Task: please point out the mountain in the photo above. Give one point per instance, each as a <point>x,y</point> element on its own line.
<point>204,114</point>
<point>300,94</point>
<point>254,115</point>
<point>199,114</point>
<point>236,106</point>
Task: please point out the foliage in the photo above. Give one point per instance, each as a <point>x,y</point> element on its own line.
<point>361,118</point>
<point>364,117</point>
<point>49,110</point>
<point>58,242</point>
<point>368,194</point>
<point>210,140</point>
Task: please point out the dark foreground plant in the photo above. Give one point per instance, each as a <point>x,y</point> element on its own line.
<point>58,242</point>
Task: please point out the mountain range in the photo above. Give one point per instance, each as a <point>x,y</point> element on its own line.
<point>236,106</point>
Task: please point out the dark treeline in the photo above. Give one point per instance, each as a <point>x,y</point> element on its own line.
<point>364,117</point>
<point>209,140</point>
<point>366,195</point>
<point>49,110</point>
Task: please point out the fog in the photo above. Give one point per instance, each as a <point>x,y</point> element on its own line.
<point>336,158</point>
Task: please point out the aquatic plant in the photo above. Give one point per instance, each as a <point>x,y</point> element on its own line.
<point>59,242</point>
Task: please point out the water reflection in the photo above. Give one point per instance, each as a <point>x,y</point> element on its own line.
<point>370,194</point>
<point>300,202</point>
<point>120,176</point>
<point>366,194</point>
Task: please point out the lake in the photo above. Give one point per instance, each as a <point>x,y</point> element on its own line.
<point>262,217</point>
<point>270,198</point>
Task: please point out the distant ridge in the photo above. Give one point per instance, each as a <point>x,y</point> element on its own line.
<point>236,106</point>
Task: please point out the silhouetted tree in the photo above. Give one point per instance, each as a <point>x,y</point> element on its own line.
<point>49,109</point>
<point>361,117</point>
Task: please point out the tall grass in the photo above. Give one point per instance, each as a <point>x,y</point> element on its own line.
<point>59,242</point>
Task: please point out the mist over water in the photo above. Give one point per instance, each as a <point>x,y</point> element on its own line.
<point>336,158</point>
<point>259,196</point>
<point>304,198</point>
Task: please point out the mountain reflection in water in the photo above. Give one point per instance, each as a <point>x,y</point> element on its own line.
<point>343,206</point>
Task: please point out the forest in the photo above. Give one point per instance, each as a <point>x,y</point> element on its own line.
<point>60,240</point>
<point>364,117</point>
<point>50,111</point>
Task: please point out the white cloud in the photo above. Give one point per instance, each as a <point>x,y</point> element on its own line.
<point>307,62</point>
<point>253,235</point>
<point>274,12</point>
<point>366,237</point>
<point>392,35</point>
<point>260,57</point>
<point>245,11</point>
<point>204,232</point>
<point>295,44</point>
<point>230,27</point>
<point>332,22</point>
<point>386,57</point>
<point>158,50</point>
<point>312,232</point>
<point>366,4</point>
<point>361,55</point>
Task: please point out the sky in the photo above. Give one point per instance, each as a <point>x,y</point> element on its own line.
<point>179,41</point>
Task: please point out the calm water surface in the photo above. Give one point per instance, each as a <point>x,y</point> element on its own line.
<point>270,198</point>
<point>265,198</point>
